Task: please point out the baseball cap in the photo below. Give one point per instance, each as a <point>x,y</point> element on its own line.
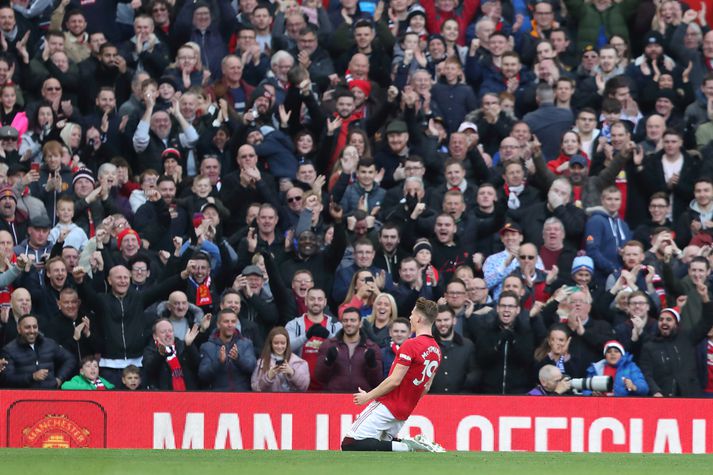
<point>468,126</point>
<point>252,270</point>
<point>578,160</point>
<point>510,227</point>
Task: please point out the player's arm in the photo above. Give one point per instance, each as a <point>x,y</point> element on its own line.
<point>427,388</point>
<point>384,388</point>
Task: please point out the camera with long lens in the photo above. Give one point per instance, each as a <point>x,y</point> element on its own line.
<point>602,384</point>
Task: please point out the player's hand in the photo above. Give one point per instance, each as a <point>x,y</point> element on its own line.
<point>361,397</point>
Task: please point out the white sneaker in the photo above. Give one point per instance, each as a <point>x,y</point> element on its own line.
<point>421,444</point>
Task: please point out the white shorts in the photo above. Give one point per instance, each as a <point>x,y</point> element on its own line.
<point>375,422</point>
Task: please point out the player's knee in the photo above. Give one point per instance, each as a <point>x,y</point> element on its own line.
<point>348,444</point>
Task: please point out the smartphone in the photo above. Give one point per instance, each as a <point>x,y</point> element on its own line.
<point>279,362</point>
<point>35,167</point>
<point>368,280</point>
<point>197,219</point>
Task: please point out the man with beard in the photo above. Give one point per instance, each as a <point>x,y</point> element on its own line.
<point>457,372</point>
<point>349,361</point>
<point>227,358</point>
<point>669,360</point>
<point>111,72</point>
<point>309,331</point>
<point>389,253</point>
<point>35,361</point>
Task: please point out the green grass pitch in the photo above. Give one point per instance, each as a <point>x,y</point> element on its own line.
<point>154,462</point>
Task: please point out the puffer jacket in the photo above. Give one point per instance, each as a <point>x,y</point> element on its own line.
<point>298,382</point>
<point>625,368</point>
<point>22,361</point>
<point>233,375</point>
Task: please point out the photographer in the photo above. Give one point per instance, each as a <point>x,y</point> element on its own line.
<point>552,383</point>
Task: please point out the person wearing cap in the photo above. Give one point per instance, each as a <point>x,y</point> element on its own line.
<point>619,365</point>
<point>640,69</point>
<point>397,149</point>
<point>9,215</point>
<point>498,266</point>
<point>257,305</point>
<point>36,244</point>
<point>668,361</point>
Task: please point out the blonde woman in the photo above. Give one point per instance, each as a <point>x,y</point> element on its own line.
<point>376,325</point>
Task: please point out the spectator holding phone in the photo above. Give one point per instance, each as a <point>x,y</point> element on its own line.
<point>278,369</point>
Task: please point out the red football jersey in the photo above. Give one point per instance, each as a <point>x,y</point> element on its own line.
<point>422,355</point>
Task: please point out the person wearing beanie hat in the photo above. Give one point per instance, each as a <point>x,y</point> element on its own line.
<point>423,253</point>
<point>669,360</point>
<point>128,242</point>
<point>9,215</point>
<point>628,380</point>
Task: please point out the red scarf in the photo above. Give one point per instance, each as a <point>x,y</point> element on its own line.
<point>395,348</point>
<point>342,137</point>
<point>99,385</point>
<point>203,296</point>
<point>176,371</point>
<point>709,367</point>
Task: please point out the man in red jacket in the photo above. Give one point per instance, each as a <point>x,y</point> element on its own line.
<point>349,361</point>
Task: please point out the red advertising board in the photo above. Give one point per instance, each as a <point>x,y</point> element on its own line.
<point>318,421</point>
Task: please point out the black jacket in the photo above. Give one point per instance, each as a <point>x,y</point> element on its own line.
<point>669,363</point>
<point>121,321</point>
<point>23,361</point>
<point>505,358</point>
<point>156,373</point>
<point>457,372</point>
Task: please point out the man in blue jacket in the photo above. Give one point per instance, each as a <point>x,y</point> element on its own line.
<point>606,233</point>
<point>227,359</point>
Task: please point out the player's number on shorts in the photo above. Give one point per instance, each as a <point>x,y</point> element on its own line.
<point>429,367</point>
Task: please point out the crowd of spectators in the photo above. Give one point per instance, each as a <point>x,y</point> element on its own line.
<point>241,195</point>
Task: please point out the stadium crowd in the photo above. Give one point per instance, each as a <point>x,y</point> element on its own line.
<point>251,195</point>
